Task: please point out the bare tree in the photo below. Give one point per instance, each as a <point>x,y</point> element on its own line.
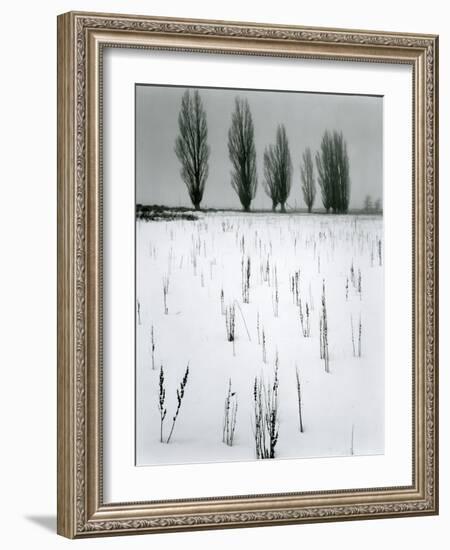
<point>242,153</point>
<point>284,166</point>
<point>308,181</point>
<point>278,169</point>
<point>324,162</point>
<point>378,206</point>
<point>270,181</point>
<point>191,146</point>
<point>342,173</point>
<point>333,169</point>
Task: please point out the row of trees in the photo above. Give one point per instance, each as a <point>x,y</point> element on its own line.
<point>192,150</point>
<point>191,146</point>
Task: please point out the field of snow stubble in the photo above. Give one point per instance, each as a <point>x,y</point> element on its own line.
<point>342,411</point>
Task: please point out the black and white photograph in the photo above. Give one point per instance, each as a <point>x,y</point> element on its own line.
<point>259,286</point>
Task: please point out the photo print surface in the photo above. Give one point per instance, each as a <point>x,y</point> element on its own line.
<point>259,275</point>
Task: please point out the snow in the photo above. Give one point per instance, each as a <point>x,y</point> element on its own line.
<point>343,410</point>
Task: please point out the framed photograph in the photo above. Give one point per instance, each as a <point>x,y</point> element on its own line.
<point>247,274</point>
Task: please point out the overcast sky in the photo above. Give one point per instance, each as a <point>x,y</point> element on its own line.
<point>305,115</point>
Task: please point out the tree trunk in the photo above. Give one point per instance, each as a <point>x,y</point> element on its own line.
<point>283,208</point>
<point>309,209</point>
<point>197,206</point>
<point>274,206</point>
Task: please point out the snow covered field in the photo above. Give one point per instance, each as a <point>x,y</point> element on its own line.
<point>201,261</point>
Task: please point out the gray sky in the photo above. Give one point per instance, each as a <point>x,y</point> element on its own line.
<point>305,115</point>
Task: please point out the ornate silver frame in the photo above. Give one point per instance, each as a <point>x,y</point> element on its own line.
<point>81,38</point>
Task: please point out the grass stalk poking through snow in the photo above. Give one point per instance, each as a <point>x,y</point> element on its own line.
<point>324,332</point>
<point>359,284</point>
<point>165,292</point>
<point>194,261</point>
<point>180,395</point>
<point>357,352</point>
<point>265,408</point>
<point>264,350</point>
<point>266,274</point>
<point>222,302</point>
<point>305,323</point>
<point>152,346</point>
<point>245,274</point>
<point>230,415</point>
<point>299,399</point>
<point>230,324</point>
<point>295,288</point>
<point>162,399</point>
<point>230,316</point>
